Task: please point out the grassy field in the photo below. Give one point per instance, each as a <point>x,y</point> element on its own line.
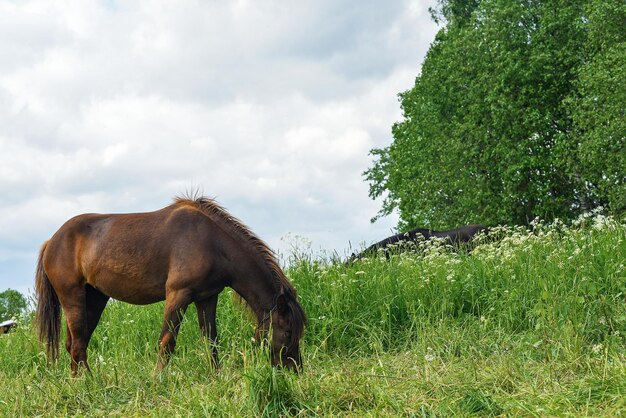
<point>533,325</point>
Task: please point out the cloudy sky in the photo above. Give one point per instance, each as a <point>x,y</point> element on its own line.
<point>270,107</point>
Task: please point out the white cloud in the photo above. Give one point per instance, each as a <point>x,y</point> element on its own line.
<point>271,107</point>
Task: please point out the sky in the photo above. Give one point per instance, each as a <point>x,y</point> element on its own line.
<point>269,107</point>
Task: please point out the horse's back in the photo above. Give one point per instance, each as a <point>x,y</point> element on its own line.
<point>126,256</point>
<point>468,232</point>
<point>461,234</point>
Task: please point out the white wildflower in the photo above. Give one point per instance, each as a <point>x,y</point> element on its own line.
<point>430,355</point>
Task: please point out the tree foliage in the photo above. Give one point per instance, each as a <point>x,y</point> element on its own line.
<point>518,112</point>
<point>598,108</point>
<point>12,303</point>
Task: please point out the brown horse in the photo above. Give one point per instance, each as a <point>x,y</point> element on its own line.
<point>184,253</point>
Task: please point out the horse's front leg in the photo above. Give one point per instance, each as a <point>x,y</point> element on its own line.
<point>176,303</point>
<point>208,328</point>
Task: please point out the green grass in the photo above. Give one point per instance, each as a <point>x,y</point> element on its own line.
<point>531,325</point>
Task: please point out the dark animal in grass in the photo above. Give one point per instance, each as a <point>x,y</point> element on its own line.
<point>185,253</point>
<point>456,237</point>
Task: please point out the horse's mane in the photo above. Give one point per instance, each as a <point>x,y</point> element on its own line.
<point>215,211</point>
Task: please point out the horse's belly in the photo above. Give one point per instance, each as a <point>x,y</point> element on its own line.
<point>131,290</point>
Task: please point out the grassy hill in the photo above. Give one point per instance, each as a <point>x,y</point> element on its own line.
<point>531,325</point>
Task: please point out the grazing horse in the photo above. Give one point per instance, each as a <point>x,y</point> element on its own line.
<point>455,237</point>
<point>185,253</point>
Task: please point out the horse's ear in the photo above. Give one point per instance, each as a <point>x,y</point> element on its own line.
<point>281,304</point>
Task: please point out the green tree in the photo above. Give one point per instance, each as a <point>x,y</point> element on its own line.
<point>12,303</point>
<point>485,124</point>
<point>454,12</point>
<point>598,108</point>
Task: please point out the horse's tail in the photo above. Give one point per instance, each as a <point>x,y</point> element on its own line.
<point>48,316</point>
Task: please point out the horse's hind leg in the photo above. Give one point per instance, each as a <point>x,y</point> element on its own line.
<point>95,302</point>
<point>176,303</point>
<point>68,338</point>
<point>206,320</point>
<point>73,300</point>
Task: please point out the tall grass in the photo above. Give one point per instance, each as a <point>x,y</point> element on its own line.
<point>531,324</point>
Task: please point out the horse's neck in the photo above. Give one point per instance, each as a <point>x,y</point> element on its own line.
<point>248,272</point>
<point>257,287</point>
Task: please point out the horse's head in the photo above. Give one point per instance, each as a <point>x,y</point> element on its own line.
<point>284,324</point>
